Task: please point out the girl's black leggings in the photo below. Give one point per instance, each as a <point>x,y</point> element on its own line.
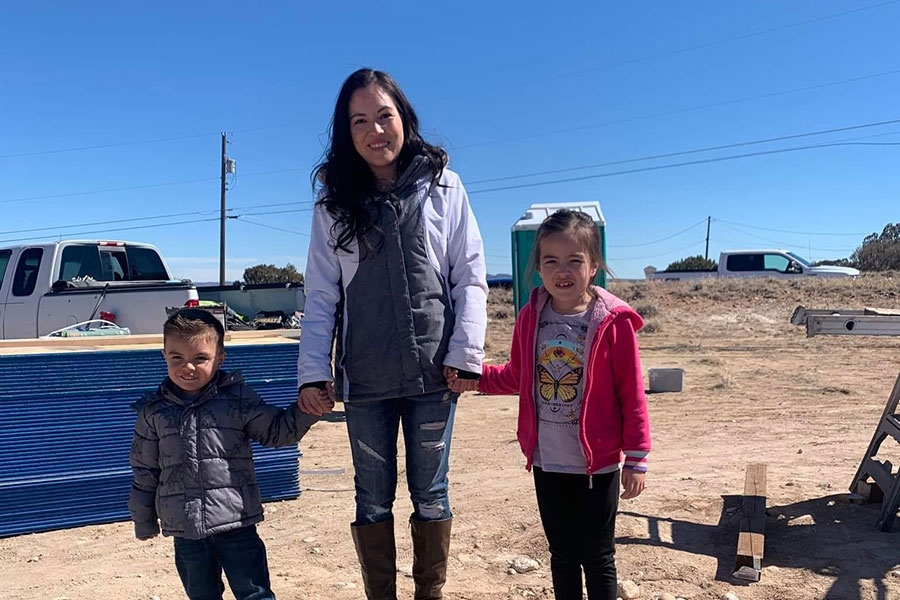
<point>580,525</point>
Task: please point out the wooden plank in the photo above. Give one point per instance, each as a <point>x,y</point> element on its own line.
<point>881,473</point>
<point>751,539</point>
<point>143,341</point>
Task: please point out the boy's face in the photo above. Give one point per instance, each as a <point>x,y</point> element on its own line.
<point>192,362</point>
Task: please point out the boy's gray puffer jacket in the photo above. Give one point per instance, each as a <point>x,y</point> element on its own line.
<point>191,458</point>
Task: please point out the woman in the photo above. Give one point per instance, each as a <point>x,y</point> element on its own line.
<point>395,276</point>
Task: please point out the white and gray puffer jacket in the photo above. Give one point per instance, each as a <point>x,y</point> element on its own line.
<point>402,312</point>
<point>191,459</point>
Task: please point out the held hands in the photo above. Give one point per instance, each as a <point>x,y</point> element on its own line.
<point>632,483</point>
<point>316,401</point>
<point>457,384</point>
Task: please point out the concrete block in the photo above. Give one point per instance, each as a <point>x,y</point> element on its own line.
<point>666,380</point>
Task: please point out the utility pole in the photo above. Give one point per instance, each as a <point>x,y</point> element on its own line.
<point>708,221</point>
<point>222,218</point>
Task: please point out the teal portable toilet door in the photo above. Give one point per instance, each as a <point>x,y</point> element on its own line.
<point>523,233</point>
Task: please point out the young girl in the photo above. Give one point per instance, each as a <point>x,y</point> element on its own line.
<point>574,363</point>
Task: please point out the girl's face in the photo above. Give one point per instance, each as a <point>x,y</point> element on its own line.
<point>377,130</point>
<point>567,271</point>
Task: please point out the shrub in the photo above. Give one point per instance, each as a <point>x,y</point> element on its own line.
<point>693,263</point>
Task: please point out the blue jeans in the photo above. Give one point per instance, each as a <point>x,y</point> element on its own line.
<point>240,553</point>
<point>427,428</point>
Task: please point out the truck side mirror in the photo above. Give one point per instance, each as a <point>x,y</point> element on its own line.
<point>59,285</point>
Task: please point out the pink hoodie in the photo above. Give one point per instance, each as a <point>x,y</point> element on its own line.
<point>614,411</point>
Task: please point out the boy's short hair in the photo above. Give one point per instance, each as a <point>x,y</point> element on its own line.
<point>193,322</point>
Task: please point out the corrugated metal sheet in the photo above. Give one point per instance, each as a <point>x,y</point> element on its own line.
<point>66,427</point>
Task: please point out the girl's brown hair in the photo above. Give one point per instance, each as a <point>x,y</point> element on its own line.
<point>576,224</point>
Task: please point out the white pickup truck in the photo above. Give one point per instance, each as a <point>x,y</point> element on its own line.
<point>780,264</point>
<point>47,286</point>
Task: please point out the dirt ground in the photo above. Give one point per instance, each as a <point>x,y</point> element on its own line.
<point>756,390</point>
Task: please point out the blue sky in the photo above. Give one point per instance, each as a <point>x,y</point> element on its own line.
<point>508,88</point>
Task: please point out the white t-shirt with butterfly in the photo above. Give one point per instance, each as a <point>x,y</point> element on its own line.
<point>559,382</point>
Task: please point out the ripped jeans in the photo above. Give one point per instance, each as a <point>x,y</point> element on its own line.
<point>427,428</point>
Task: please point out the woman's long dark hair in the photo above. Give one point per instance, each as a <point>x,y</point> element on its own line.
<point>345,177</point>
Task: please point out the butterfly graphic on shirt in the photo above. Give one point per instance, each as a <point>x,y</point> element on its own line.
<point>564,389</point>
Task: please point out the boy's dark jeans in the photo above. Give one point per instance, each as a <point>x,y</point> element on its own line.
<point>580,525</point>
<point>240,553</point>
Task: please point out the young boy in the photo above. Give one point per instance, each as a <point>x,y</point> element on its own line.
<point>192,463</point>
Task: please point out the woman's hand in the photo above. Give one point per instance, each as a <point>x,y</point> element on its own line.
<point>317,401</point>
<point>632,483</point>
<point>456,384</point>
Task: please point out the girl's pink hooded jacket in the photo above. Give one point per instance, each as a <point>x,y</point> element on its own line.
<point>613,411</point>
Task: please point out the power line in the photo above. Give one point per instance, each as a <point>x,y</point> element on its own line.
<point>147,218</point>
<point>241,219</point>
<point>692,151</point>
<point>116,230</point>
<point>108,190</point>
<point>156,225</point>
<point>276,212</point>
<point>510,177</point>
<point>145,186</point>
<point>681,164</point>
<point>151,140</point>
<point>662,239</point>
<point>681,110</point>
<point>533,80</point>
<point>300,202</point>
<point>785,245</point>
<point>666,253</point>
<point>110,145</point>
<point>92,224</point>
<point>725,221</point>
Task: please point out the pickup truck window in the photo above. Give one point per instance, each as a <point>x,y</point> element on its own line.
<point>4,260</point>
<point>111,264</point>
<point>26,272</point>
<point>776,262</point>
<point>80,261</point>
<point>800,260</point>
<point>114,264</point>
<point>144,264</point>
<point>745,262</point>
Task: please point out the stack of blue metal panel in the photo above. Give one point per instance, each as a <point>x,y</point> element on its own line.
<point>66,427</point>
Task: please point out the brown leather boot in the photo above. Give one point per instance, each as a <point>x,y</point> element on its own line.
<point>377,558</point>
<point>431,547</point>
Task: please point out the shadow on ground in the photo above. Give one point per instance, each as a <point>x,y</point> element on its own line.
<point>826,535</point>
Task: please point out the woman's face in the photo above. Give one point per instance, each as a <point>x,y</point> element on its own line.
<point>377,130</point>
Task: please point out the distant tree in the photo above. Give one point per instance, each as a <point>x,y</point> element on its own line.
<point>879,252</point>
<point>833,262</point>
<point>693,263</point>
<point>272,274</point>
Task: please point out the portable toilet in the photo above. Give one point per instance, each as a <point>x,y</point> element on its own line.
<point>526,278</point>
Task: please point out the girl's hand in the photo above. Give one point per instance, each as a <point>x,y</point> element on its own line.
<point>632,483</point>
<point>455,384</point>
<point>327,396</point>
